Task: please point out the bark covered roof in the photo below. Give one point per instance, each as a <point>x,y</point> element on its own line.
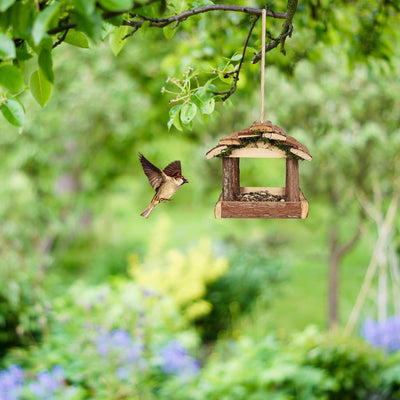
<point>263,130</point>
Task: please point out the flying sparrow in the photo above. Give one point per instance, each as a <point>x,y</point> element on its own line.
<point>165,183</point>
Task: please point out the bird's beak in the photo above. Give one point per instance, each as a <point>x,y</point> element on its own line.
<point>185,180</point>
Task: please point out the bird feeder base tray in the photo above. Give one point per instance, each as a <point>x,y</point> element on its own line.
<point>262,209</point>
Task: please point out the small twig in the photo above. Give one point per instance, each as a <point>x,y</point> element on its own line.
<point>61,28</point>
<point>61,39</point>
<point>131,33</point>
<point>287,29</point>
<point>236,72</point>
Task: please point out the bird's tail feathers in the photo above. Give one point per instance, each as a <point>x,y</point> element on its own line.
<point>147,211</point>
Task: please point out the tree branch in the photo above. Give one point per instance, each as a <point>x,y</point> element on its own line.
<point>236,73</point>
<point>287,29</point>
<point>162,22</point>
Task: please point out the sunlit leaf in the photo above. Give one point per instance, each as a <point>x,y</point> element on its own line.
<point>46,64</point>
<point>78,39</point>
<point>208,106</point>
<point>188,113</point>
<point>116,36</point>
<point>85,7</point>
<point>236,57</point>
<point>7,47</point>
<point>11,78</point>
<point>169,32</point>
<point>117,5</point>
<point>40,87</point>
<point>174,114</point>
<point>143,29</point>
<point>42,22</point>
<point>13,111</point>
<point>5,4</point>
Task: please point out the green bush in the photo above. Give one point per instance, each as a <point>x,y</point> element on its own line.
<point>23,309</point>
<point>113,341</point>
<point>308,366</point>
<point>252,276</point>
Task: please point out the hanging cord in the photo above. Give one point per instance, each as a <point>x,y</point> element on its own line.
<point>264,18</point>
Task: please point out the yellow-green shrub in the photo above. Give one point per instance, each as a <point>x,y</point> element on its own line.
<point>181,275</point>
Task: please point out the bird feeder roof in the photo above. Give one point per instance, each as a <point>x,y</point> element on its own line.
<point>261,140</point>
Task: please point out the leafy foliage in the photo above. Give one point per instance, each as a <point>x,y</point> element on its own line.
<point>112,339</point>
<point>30,31</point>
<point>252,277</point>
<point>307,366</point>
<point>183,277</point>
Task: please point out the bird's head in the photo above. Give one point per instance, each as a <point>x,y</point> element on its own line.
<point>181,180</point>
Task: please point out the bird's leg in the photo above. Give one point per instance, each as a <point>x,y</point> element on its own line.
<point>166,199</point>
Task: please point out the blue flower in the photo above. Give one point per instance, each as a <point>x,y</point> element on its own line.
<point>119,345</point>
<point>48,383</point>
<point>176,360</point>
<point>385,335</point>
<point>11,382</point>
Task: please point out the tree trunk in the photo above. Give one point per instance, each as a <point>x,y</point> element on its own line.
<point>336,253</point>
<point>334,271</point>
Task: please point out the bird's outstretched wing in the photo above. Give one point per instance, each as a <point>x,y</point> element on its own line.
<point>173,169</point>
<point>154,174</point>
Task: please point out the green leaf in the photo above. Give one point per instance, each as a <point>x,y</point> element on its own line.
<point>117,5</point>
<point>23,53</point>
<point>85,7</point>
<point>143,29</point>
<point>106,29</point>
<point>13,111</point>
<point>41,88</point>
<point>208,106</point>
<point>77,39</point>
<point>202,3</point>
<point>236,57</point>
<point>46,64</point>
<point>188,113</point>
<point>22,18</point>
<point>7,47</point>
<point>116,42</point>
<point>174,114</point>
<point>11,78</point>
<point>91,25</point>
<point>169,32</point>
<point>5,4</point>
<point>42,22</point>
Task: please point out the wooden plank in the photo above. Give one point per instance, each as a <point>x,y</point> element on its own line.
<point>217,209</point>
<point>258,149</point>
<point>230,178</point>
<point>301,154</point>
<point>292,179</point>
<point>215,151</point>
<point>274,136</point>
<point>230,139</point>
<point>265,209</point>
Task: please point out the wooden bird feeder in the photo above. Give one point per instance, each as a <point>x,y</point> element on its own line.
<point>261,140</point>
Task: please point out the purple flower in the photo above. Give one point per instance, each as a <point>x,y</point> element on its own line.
<point>120,345</point>
<point>385,335</point>
<point>11,382</point>
<point>48,383</point>
<point>177,361</point>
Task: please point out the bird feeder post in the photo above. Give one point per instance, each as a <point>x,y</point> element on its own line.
<point>292,179</point>
<point>230,178</point>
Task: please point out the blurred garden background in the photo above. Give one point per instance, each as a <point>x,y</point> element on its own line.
<point>97,302</point>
